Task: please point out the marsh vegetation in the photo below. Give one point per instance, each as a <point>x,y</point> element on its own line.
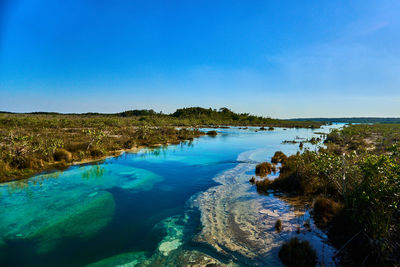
<point>355,183</point>
<point>298,253</point>
<point>30,143</point>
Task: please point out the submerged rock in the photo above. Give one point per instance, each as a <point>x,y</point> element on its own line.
<point>75,217</point>
<point>81,221</point>
<point>140,179</point>
<point>174,227</point>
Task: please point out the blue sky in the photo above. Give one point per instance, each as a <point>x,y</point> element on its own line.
<point>272,58</point>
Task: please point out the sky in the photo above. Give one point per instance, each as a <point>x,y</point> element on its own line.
<point>280,59</point>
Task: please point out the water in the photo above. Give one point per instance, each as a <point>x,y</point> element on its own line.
<point>188,203</point>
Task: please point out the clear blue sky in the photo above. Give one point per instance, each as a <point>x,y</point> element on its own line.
<point>273,58</point>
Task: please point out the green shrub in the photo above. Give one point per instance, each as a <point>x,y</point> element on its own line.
<point>297,253</point>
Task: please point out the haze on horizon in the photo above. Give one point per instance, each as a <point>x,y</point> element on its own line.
<point>280,59</point>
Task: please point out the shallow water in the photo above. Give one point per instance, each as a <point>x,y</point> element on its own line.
<point>184,204</point>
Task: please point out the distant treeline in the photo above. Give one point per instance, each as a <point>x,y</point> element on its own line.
<point>192,116</point>
<point>352,120</point>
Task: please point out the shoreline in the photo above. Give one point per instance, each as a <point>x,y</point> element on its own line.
<point>246,228</point>
<point>88,161</point>
<point>62,165</point>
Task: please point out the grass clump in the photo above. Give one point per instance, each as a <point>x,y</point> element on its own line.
<point>297,253</point>
<point>263,185</point>
<point>265,168</point>
<point>325,209</point>
<point>278,226</point>
<point>62,154</point>
<point>212,133</point>
<point>279,157</point>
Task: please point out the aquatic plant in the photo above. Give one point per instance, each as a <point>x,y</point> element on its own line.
<point>297,253</point>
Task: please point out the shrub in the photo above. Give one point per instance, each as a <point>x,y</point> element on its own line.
<point>325,210</point>
<point>297,253</point>
<point>212,133</point>
<point>265,168</point>
<point>279,157</point>
<point>62,154</point>
<point>263,185</point>
<point>96,153</point>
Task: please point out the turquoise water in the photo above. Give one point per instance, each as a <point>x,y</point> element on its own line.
<point>156,207</point>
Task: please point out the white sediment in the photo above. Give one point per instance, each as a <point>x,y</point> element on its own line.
<point>239,223</point>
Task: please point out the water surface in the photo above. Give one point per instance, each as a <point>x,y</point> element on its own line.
<point>188,203</point>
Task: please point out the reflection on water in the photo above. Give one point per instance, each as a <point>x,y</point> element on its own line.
<point>163,149</point>
<point>96,171</point>
<point>182,204</point>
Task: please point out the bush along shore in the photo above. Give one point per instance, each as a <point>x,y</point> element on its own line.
<point>35,142</point>
<point>26,151</point>
<point>354,182</point>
